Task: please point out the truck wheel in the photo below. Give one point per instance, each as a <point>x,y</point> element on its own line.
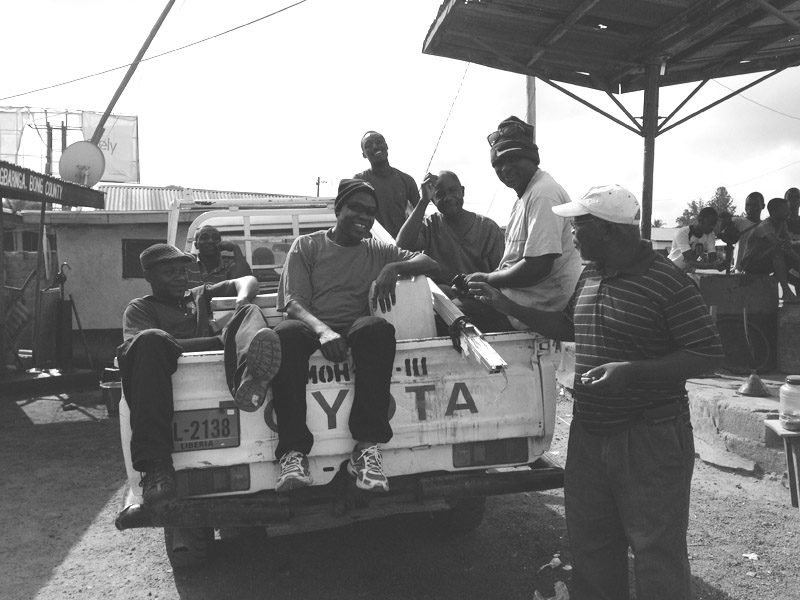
<point>465,514</point>
<point>188,547</point>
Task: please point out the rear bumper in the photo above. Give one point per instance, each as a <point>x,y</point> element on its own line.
<point>340,502</point>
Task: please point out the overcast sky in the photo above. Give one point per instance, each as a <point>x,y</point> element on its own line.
<point>272,106</point>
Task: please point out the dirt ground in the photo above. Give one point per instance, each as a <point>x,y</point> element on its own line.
<point>63,482</point>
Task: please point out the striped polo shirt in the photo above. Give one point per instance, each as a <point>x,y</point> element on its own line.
<point>645,311</point>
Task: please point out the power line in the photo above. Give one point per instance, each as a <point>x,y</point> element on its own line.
<point>49,87</point>
<point>441,133</point>
<point>757,103</point>
<point>765,174</point>
<point>791,164</point>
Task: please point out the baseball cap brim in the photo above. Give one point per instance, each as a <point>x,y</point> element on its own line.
<point>571,209</point>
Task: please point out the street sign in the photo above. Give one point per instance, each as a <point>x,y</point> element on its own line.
<point>24,184</point>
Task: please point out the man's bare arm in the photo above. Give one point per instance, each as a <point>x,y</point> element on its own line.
<point>408,235</point>
<point>384,295</point>
<point>333,345</point>
<point>551,324</point>
<point>523,274</point>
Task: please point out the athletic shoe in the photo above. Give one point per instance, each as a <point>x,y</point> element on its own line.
<point>263,362</point>
<point>158,484</point>
<point>294,472</point>
<point>367,467</point>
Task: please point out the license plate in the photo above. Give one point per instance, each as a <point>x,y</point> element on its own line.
<point>205,429</point>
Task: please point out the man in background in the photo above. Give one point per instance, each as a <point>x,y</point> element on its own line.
<point>693,246</point>
<point>211,266</point>
<point>753,205</point>
<point>769,250</point>
<point>792,196</point>
<point>397,191</point>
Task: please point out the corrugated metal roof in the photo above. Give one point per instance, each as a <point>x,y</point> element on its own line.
<point>142,197</point>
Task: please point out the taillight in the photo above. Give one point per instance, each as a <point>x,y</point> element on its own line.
<point>494,452</point>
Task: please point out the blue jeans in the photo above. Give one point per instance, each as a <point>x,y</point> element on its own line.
<point>630,489</point>
<point>372,345</point>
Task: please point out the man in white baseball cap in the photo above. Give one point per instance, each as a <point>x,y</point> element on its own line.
<point>612,203</point>
<point>640,328</point>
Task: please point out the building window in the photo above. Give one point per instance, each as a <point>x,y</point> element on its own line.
<point>131,249</point>
<point>30,241</point>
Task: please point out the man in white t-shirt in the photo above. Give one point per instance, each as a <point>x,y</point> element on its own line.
<point>693,246</point>
<point>540,266</point>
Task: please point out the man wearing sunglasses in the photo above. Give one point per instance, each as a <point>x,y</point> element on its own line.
<point>397,191</point>
<point>540,265</point>
<point>640,328</point>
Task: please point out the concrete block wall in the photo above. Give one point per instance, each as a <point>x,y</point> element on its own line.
<point>733,423</point>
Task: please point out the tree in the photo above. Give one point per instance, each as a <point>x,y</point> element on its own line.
<point>721,201</point>
<point>658,223</point>
<point>690,213</point>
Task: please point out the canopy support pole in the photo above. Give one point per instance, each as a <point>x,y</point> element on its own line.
<point>649,129</point>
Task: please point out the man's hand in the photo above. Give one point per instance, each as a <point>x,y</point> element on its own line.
<point>448,290</point>
<point>477,278</point>
<point>241,301</point>
<point>333,346</point>
<point>385,283</point>
<point>489,295</point>
<point>427,188</point>
<point>614,376</point>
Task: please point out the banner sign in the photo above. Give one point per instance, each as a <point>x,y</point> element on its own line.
<point>24,184</point>
<point>119,143</point>
<point>12,124</point>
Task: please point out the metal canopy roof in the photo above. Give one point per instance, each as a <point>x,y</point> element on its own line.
<point>605,44</point>
<point>621,46</point>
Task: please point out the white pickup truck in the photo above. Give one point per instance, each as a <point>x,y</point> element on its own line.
<point>463,429</point>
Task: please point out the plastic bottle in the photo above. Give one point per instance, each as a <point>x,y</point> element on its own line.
<point>790,403</point>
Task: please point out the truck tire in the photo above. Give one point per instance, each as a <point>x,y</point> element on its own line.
<point>464,515</point>
<point>188,546</point>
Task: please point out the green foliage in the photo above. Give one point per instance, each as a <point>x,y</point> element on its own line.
<point>721,201</point>
<point>658,223</point>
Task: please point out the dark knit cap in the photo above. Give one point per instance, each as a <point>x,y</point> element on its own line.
<point>514,138</point>
<point>158,253</point>
<point>348,187</point>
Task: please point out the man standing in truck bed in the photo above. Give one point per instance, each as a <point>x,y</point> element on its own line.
<point>396,191</point>
<point>324,288</point>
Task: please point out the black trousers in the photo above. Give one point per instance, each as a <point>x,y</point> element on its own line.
<point>372,344</point>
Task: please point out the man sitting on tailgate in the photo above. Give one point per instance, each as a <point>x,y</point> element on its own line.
<point>157,329</point>
<point>324,289</point>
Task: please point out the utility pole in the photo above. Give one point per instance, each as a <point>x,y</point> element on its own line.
<point>318,182</point>
<point>98,133</point>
